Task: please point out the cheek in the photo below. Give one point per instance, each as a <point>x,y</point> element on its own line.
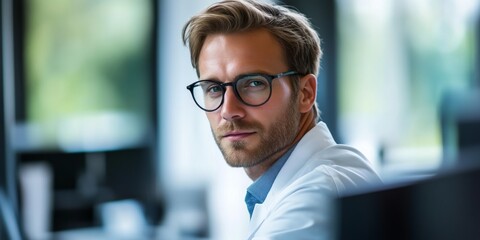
<point>281,98</point>
<point>282,92</point>
<point>277,107</point>
<point>213,118</point>
<point>269,114</point>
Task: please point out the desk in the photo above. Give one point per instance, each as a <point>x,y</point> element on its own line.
<point>154,233</point>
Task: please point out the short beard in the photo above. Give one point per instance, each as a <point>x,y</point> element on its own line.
<point>281,135</point>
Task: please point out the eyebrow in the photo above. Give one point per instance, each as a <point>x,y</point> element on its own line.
<point>237,77</point>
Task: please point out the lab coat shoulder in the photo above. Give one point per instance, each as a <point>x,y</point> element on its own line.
<point>346,166</point>
<point>299,205</point>
<point>304,208</point>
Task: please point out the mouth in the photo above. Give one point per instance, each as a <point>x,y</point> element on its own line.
<point>237,135</point>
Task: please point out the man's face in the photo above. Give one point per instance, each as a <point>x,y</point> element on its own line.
<point>247,135</point>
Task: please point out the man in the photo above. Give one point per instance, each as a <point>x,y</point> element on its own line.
<point>258,64</point>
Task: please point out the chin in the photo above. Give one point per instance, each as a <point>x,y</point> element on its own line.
<point>236,162</point>
<point>243,163</point>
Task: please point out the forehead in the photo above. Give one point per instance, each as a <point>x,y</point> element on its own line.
<point>238,53</point>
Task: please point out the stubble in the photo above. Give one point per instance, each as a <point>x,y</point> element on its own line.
<point>273,140</point>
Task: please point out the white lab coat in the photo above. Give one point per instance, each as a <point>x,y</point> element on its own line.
<point>299,204</point>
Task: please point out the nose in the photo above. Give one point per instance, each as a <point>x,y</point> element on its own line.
<point>232,108</point>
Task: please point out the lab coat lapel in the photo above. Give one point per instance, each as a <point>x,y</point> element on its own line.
<point>317,138</point>
<point>259,214</point>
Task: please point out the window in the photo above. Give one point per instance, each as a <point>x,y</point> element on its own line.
<point>88,73</point>
<point>398,59</point>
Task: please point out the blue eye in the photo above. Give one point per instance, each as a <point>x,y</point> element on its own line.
<point>253,83</point>
<point>214,91</point>
<point>256,83</point>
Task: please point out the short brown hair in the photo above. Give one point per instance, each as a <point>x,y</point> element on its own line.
<point>292,29</point>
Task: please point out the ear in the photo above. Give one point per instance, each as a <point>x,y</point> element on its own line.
<point>307,92</point>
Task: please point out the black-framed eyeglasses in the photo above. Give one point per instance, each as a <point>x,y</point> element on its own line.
<point>251,89</point>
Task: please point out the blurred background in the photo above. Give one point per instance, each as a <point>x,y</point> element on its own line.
<point>101,140</point>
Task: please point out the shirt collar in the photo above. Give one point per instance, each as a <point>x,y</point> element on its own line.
<point>257,192</point>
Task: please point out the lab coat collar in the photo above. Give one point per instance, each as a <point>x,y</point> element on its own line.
<point>316,139</point>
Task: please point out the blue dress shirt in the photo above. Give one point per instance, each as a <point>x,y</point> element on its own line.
<point>258,191</point>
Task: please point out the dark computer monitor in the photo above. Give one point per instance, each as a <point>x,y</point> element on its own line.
<point>446,206</point>
<point>460,120</point>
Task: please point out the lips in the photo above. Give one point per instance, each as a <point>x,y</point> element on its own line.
<point>237,135</point>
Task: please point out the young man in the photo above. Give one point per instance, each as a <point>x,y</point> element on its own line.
<point>258,64</point>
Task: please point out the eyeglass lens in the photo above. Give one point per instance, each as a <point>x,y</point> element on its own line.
<point>252,90</point>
